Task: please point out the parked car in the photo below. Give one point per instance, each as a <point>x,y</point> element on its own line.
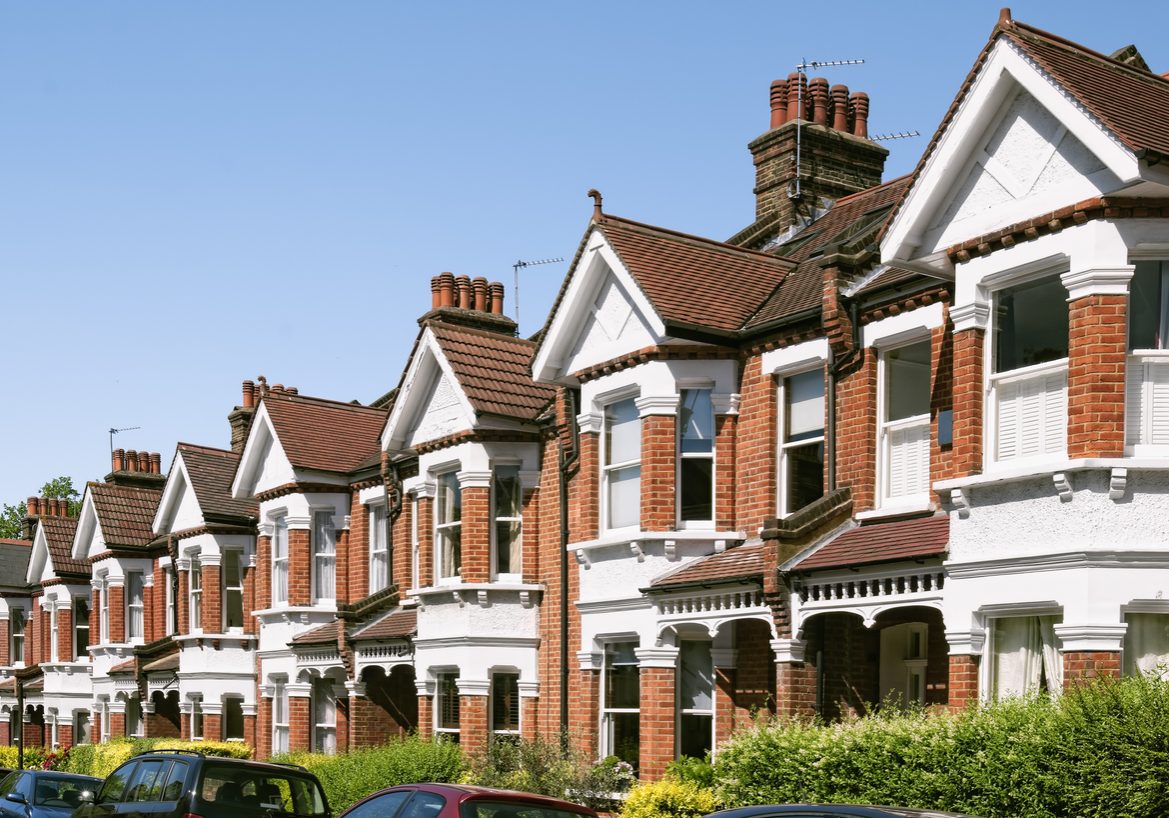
<point>178,783</point>
<point>43,794</point>
<point>831,811</point>
<point>461,801</point>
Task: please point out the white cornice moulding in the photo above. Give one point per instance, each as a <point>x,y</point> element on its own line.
<point>726,404</point>
<point>590,422</point>
<point>657,405</point>
<point>474,479</point>
<point>1091,638</point>
<point>970,316</point>
<point>796,357</point>
<point>788,650</point>
<point>1098,281</point>
<point>966,643</point>
<point>473,687</point>
<point>298,522</point>
<point>663,657</point>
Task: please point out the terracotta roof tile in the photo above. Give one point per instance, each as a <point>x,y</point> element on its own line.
<point>14,557</point>
<point>741,562</point>
<point>168,662</point>
<point>211,472</point>
<point>693,280</point>
<point>919,538</point>
<point>320,635</point>
<point>396,624</point>
<point>59,533</point>
<point>493,370</point>
<point>324,434</point>
<point>125,513</point>
<point>129,666</point>
<point>848,220</point>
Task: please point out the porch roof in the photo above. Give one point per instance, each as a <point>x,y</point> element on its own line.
<point>918,538</point>
<point>738,563</point>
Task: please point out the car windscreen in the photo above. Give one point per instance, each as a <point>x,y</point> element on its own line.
<point>514,809</point>
<point>62,792</point>
<point>237,789</point>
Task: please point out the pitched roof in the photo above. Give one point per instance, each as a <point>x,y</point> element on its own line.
<point>14,557</point>
<point>320,635</point>
<point>692,280</point>
<point>918,538</point>
<point>322,434</point>
<point>59,533</point>
<point>493,370</point>
<point>396,624</point>
<point>741,562</point>
<point>849,220</point>
<point>129,666</point>
<point>168,662</point>
<point>126,513</point>
<point>211,472</point>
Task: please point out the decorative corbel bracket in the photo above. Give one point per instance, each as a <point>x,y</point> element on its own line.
<point>582,557</point>
<point>1117,484</point>
<point>1063,486</point>
<point>961,501</point>
<point>671,549</point>
<point>635,550</point>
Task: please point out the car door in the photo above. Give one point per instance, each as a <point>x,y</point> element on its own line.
<point>109,798</point>
<point>382,805</point>
<point>15,796</point>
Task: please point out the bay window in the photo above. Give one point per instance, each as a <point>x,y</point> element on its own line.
<point>507,507</point>
<point>171,613</point>
<point>324,547</point>
<point>904,422</point>
<point>621,465</point>
<point>1030,379</point>
<point>695,699</point>
<point>1025,657</point>
<point>801,446</point>
<point>53,649</point>
<point>233,589</point>
<point>233,718</point>
<point>379,552</point>
<point>134,606</point>
<point>280,560</point>
<point>621,703</point>
<point>505,704</point>
<point>1147,377</point>
<point>195,589</point>
<point>696,457</point>
<point>196,719</point>
<point>448,526</point>
<point>279,716</point>
<point>16,630</point>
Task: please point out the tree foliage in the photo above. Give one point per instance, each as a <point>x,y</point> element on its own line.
<point>60,488</point>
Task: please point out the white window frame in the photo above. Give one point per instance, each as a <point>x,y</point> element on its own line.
<point>519,714</point>
<point>446,481</point>
<point>171,611</point>
<point>886,428</point>
<point>135,612</point>
<point>988,683</point>
<point>695,711</point>
<point>17,636</point>
<point>606,712</point>
<point>446,683</point>
<point>323,549</point>
<point>226,721</point>
<point>82,727</point>
<point>279,550</point>
<point>104,707</point>
<point>77,628</point>
<point>135,720</point>
<point>415,544</point>
<point>197,724</point>
<point>195,593</point>
<point>379,548</point>
<point>54,651</point>
<point>228,590</point>
<point>323,704</point>
<point>611,469</point>
<point>1146,399</point>
<point>103,609</point>
<point>712,456</point>
<point>783,445</point>
<point>280,726</point>
<point>515,572</point>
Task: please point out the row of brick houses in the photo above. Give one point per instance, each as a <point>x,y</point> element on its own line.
<point>893,443</point>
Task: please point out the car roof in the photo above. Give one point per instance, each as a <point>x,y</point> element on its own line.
<point>857,810</point>
<point>240,762</point>
<point>467,792</point>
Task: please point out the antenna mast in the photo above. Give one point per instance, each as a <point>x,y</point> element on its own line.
<point>515,269</point>
<point>802,68</point>
<point>114,431</point>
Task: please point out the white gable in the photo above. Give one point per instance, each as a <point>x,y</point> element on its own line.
<point>179,508</point>
<point>40,567</point>
<point>602,315</point>
<point>88,541</point>
<point>1018,146</point>
<point>431,404</point>
<point>263,464</point>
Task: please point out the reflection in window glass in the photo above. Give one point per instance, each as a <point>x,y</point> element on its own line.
<point>1031,324</point>
<point>696,456</point>
<point>621,702</point>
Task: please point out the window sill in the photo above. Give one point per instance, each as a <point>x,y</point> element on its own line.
<point>478,592</point>
<point>198,638</point>
<point>1002,474</point>
<point>899,508</point>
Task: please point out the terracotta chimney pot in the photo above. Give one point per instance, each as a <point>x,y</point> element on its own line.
<point>479,286</point>
<point>819,92</point>
<point>497,297</point>
<point>840,107</point>
<point>860,114</point>
<point>144,462</point>
<point>446,292</point>
<point>293,390</point>
<point>435,296</point>
<point>249,398</point>
<point>778,103</point>
<point>155,463</point>
<point>131,460</point>
<point>463,288</point>
<point>797,83</point>
<point>119,460</point>
<point>34,506</point>
<point>278,387</point>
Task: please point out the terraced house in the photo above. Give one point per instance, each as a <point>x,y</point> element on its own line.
<point>893,443</point>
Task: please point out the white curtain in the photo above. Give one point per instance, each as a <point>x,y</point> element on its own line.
<point>1026,656</point>
<point>1146,644</point>
<point>324,556</point>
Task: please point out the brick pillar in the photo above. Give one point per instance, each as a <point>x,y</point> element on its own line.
<point>855,449</point>
<point>725,675</point>
<point>117,627</point>
<point>94,620</point>
<point>472,723</point>
<point>117,723</point>
<point>299,566</point>
<point>659,460</point>
<point>725,440</point>
<point>426,567</point>
<point>6,733</point>
<point>263,579</point>
<point>584,709</point>
<point>64,728</point>
<point>795,679</point>
<point>347,540</point>
<point>65,633</point>
<point>250,736</point>
<point>529,715</point>
<point>185,725</point>
<point>426,716</point>
<point>658,672</point>
<point>476,533</point>
<point>263,728</point>
<point>966,456</point>
<point>963,680</point>
<point>212,596</point>
<point>402,545</point>
<point>212,726</point>
<point>1098,343</point>
<point>182,603</point>
<point>5,641</point>
<point>299,714</point>
<point>344,723</point>
<point>756,447</point>
<point>1080,667</point>
<point>250,597</point>
<point>585,502</point>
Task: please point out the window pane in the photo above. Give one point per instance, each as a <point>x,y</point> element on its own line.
<point>623,432</point>
<point>696,422</point>
<point>697,682</point>
<point>450,499</point>
<point>908,386</point>
<point>383,806</point>
<point>507,545</point>
<point>176,777</point>
<point>1145,307</point>
<point>805,475</point>
<point>233,718</point>
<point>697,490</point>
<point>505,702</point>
<point>448,701</point>
<point>81,628</point>
<point>624,497</point>
<point>695,735</point>
<point>624,736</point>
<point>1020,339</point>
<point>1146,644</point>
<point>804,405</point>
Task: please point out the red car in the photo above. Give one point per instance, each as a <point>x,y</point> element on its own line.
<point>461,801</point>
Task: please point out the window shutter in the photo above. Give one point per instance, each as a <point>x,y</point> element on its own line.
<point>909,459</point>
<point>1134,403</point>
<point>1032,417</point>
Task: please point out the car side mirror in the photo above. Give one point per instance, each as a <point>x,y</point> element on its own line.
<point>18,797</point>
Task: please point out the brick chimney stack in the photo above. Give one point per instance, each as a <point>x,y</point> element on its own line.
<point>472,302</point>
<point>240,418</point>
<point>836,156</point>
<point>133,468</point>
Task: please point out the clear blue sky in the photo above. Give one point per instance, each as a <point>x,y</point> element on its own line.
<point>193,194</point>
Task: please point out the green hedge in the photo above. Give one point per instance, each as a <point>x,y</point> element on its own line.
<point>349,778</point>
<point>102,759</point>
<point>1100,750</point>
<point>34,757</point>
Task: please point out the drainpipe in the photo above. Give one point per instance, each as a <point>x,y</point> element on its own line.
<point>390,478</point>
<point>836,366</point>
<point>569,463</point>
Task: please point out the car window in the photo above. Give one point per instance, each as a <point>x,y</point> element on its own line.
<point>146,783</point>
<point>23,785</point>
<point>383,806</point>
<point>115,785</point>
<point>176,779</point>
<point>240,787</point>
<point>423,805</point>
<point>7,783</point>
<point>513,809</point>
<point>59,791</point>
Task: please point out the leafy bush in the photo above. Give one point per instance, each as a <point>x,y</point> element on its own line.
<point>692,770</point>
<point>350,777</point>
<point>670,798</point>
<point>34,757</point>
<point>102,759</point>
<point>1098,750</point>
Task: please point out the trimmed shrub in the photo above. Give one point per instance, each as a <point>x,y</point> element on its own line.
<point>34,757</point>
<point>349,778</point>
<point>670,798</point>
<point>102,759</point>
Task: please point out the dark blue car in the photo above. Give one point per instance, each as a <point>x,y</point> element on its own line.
<point>43,794</point>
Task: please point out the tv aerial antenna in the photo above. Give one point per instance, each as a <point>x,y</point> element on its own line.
<point>515,269</point>
<point>885,137</point>
<point>793,191</point>
<point>114,431</point>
